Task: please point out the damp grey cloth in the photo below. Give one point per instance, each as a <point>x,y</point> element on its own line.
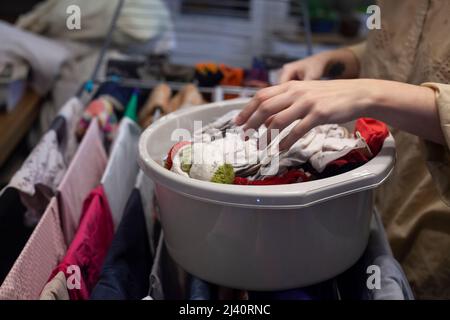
<point>120,174</point>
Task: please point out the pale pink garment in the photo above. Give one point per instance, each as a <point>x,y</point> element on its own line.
<point>83,175</point>
<point>42,253</point>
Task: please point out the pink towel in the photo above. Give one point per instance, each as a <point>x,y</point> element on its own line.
<point>42,253</point>
<point>83,174</point>
<point>89,247</point>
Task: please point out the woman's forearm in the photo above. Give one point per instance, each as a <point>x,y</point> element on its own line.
<point>410,108</point>
<point>407,107</point>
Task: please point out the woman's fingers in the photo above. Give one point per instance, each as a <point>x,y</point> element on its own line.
<point>304,125</point>
<point>311,68</point>
<point>291,72</point>
<point>298,110</point>
<point>269,121</point>
<point>284,118</point>
<point>268,108</point>
<point>261,96</point>
<point>313,74</point>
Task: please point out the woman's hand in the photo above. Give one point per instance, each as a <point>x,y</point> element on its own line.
<point>407,107</point>
<point>315,102</point>
<point>340,63</point>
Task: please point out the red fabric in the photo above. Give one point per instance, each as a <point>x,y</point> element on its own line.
<point>90,245</point>
<point>292,176</point>
<point>373,131</point>
<point>353,157</point>
<point>173,151</point>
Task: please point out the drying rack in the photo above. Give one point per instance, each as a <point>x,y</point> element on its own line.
<point>378,235</point>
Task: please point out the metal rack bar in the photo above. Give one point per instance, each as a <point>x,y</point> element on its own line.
<point>306,26</point>
<point>149,84</point>
<point>105,45</point>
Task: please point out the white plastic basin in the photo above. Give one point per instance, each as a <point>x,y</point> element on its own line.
<point>260,237</point>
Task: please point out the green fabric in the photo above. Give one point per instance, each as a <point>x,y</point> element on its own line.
<point>224,174</point>
<point>131,108</point>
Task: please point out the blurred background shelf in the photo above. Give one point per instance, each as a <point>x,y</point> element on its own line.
<point>16,124</point>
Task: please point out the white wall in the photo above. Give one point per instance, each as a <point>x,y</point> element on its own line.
<point>229,40</point>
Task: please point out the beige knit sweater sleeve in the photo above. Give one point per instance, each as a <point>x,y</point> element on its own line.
<point>438,156</point>
<point>358,50</point>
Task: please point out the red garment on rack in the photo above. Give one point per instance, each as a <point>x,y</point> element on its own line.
<point>89,246</point>
<point>83,175</point>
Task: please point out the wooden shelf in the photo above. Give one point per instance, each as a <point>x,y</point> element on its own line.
<point>15,124</point>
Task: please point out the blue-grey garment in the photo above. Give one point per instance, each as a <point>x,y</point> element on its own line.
<point>200,290</point>
<point>117,94</point>
<point>129,261</point>
<point>322,291</point>
<point>393,282</point>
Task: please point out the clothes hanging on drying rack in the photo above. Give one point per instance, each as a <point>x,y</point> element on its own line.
<point>25,199</point>
<point>89,247</point>
<point>131,262</point>
<point>44,168</point>
<point>44,249</point>
<point>83,175</point>
<point>56,289</point>
<point>125,272</point>
<point>71,112</point>
<point>122,168</point>
<point>39,177</point>
<point>167,280</point>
